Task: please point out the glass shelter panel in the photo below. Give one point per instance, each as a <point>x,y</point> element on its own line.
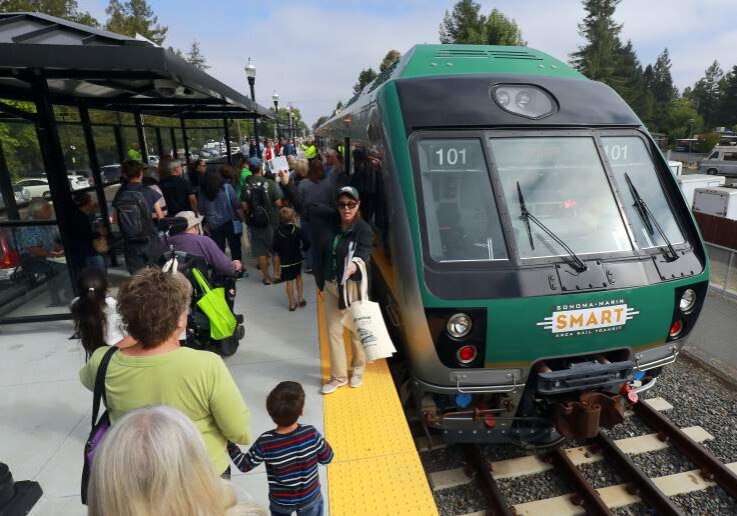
<point>461,216</point>
<point>563,184</point>
<point>628,155</point>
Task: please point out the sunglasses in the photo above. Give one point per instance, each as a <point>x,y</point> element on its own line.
<point>347,205</point>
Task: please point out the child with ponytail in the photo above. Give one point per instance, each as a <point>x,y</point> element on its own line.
<point>95,314</point>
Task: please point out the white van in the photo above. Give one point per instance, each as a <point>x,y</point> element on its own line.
<point>722,160</point>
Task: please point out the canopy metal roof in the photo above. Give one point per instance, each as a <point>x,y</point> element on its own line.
<point>105,70</point>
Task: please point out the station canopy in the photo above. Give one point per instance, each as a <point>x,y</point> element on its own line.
<point>104,70</point>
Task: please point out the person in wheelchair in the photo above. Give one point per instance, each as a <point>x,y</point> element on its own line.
<point>191,249</point>
<point>193,242</point>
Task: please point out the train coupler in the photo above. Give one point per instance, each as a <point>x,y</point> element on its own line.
<point>584,418</point>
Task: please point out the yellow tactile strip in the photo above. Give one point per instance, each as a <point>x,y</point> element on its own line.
<point>376,470</point>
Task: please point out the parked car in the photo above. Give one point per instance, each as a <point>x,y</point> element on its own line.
<point>110,173</point>
<point>77,182</point>
<point>153,160</point>
<point>39,186</point>
<point>722,160</point>
<point>22,197</point>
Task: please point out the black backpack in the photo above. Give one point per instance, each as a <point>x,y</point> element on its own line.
<point>258,205</point>
<point>134,217</point>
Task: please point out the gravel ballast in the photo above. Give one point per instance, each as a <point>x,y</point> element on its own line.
<point>698,399</point>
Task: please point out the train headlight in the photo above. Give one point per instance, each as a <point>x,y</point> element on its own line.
<point>459,325</point>
<point>688,301</point>
<point>529,101</point>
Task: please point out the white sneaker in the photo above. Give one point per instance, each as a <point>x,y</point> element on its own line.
<point>356,380</point>
<point>333,385</point>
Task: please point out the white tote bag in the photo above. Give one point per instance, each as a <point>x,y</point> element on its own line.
<point>363,317</point>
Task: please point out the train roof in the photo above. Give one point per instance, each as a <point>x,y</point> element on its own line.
<point>435,60</point>
<point>430,74</point>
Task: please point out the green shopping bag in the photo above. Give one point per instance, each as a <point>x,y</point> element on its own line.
<point>214,306</point>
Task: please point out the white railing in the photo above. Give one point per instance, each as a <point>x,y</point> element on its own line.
<point>723,276</point>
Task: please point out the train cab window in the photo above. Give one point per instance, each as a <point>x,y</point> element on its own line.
<point>562,182</point>
<point>460,211</point>
<point>628,155</point>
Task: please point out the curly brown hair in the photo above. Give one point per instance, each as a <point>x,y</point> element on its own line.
<point>150,303</point>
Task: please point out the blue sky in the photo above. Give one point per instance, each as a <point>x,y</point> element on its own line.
<point>312,52</point>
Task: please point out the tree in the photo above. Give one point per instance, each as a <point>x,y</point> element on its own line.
<point>389,59</point>
<point>707,94</point>
<point>338,107</point>
<point>463,24</point>
<point>177,52</point>
<point>728,107</point>
<point>597,58</point>
<point>681,119</point>
<point>366,76</point>
<point>134,17</point>
<point>466,25</point>
<point>500,30</point>
<point>67,9</point>
<point>196,57</point>
<point>662,85</point>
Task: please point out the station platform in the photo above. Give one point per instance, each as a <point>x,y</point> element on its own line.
<point>376,469</point>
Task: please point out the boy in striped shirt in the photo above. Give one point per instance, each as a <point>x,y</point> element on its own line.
<point>291,453</point>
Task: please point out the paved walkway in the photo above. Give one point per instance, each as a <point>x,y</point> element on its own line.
<point>45,410</point>
<point>714,339</point>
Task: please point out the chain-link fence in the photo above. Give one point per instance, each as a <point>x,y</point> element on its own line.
<point>723,261</point>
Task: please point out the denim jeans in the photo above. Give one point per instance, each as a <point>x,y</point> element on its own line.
<point>96,261</point>
<point>314,508</point>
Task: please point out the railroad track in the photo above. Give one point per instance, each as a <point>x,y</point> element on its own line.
<point>656,492</point>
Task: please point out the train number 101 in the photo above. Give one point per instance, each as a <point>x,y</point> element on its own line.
<point>451,156</point>
<point>616,152</point>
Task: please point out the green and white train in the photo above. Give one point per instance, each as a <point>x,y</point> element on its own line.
<point>534,254</point>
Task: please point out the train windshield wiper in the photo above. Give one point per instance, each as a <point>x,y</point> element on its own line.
<point>648,219</point>
<point>578,264</point>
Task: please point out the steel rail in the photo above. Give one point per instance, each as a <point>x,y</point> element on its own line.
<point>498,505</point>
<point>711,467</point>
<point>637,480</point>
<point>584,494</point>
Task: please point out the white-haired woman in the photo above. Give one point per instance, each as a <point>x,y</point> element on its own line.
<point>153,462</point>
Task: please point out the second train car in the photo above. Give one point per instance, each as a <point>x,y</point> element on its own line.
<point>534,254</point>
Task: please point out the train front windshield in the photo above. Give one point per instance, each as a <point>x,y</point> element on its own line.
<point>560,180</point>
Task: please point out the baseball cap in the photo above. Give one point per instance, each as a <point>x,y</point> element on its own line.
<point>350,192</point>
<point>254,162</point>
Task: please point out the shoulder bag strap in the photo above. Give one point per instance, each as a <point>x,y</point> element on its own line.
<point>364,278</point>
<point>99,392</point>
<point>227,196</point>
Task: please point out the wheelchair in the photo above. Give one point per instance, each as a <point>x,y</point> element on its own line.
<point>198,323</point>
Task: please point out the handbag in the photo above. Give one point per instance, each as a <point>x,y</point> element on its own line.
<point>363,317</point>
<point>237,224</point>
<point>215,307</point>
<point>99,428</point>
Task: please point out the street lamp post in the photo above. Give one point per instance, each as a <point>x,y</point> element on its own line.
<point>290,129</point>
<point>251,75</point>
<point>690,127</point>
<point>275,98</point>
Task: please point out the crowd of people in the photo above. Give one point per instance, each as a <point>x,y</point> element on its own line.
<point>177,415</point>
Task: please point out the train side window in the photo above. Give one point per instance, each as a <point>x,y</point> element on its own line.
<point>461,217</point>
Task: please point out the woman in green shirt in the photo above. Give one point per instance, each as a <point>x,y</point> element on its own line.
<point>158,371</point>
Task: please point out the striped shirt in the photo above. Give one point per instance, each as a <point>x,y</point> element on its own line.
<point>291,463</point>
